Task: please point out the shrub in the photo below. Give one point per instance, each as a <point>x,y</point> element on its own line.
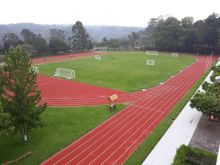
<point>193,156</point>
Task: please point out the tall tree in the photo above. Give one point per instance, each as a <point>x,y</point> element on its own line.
<point>10,40</point>
<point>113,43</point>
<point>40,44</point>
<point>133,40</point>
<point>80,37</point>
<point>187,38</point>
<point>105,43</point>
<point>57,41</point>
<point>20,96</point>
<point>28,36</point>
<point>147,37</point>
<point>212,30</point>
<point>33,42</point>
<point>203,36</point>
<point>167,34</point>
<point>57,33</point>
<point>56,44</point>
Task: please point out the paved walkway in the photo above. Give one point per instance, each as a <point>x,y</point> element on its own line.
<point>179,133</point>
<point>207,135</point>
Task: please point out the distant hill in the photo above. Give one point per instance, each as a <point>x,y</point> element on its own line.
<point>97,33</point>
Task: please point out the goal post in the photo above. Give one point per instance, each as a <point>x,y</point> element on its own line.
<point>36,69</point>
<point>174,54</point>
<point>65,73</point>
<point>150,62</point>
<point>153,53</point>
<point>97,57</point>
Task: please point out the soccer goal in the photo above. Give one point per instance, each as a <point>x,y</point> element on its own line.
<point>36,69</point>
<point>153,53</point>
<point>174,54</point>
<point>65,73</point>
<point>150,62</point>
<point>97,57</point>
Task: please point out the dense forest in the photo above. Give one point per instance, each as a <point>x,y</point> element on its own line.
<point>161,34</point>
<point>171,34</point>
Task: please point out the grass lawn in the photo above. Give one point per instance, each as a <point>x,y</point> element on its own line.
<point>63,126</point>
<point>145,148</point>
<point>124,71</point>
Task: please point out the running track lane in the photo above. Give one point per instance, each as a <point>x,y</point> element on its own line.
<point>53,88</point>
<point>115,140</point>
<point>59,58</point>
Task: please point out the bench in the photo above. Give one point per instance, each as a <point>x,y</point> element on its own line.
<point>113,97</point>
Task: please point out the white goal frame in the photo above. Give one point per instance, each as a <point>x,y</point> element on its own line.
<point>150,62</point>
<point>174,54</point>
<point>97,57</point>
<point>36,69</point>
<point>153,53</point>
<point>65,73</point>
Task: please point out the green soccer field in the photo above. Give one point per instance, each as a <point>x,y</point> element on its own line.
<point>126,71</point>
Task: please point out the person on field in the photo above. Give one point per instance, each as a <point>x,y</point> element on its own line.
<point>112,106</point>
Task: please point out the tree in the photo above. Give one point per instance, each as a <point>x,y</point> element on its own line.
<point>40,44</point>
<point>28,36</point>
<point>33,42</point>
<point>133,40</point>
<point>113,43</point>
<point>57,33</point>
<point>211,35</point>
<point>208,102</point>
<point>80,38</point>
<point>30,49</point>
<point>167,34</point>
<point>56,44</point>
<point>147,38</point>
<point>10,40</point>
<point>105,43</point>
<point>170,34</point>
<point>19,95</point>
<point>187,38</point>
<point>6,127</point>
<point>89,44</point>
<point>57,41</point>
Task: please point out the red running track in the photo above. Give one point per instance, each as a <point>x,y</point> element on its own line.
<point>115,140</point>
<point>58,58</point>
<point>59,92</point>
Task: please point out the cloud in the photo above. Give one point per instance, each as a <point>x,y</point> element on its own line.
<point>102,12</point>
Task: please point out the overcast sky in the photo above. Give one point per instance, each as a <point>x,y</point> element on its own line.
<point>102,12</point>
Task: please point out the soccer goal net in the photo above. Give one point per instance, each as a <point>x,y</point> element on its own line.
<point>65,73</point>
<point>154,53</point>
<point>150,62</point>
<point>36,69</point>
<point>174,54</point>
<point>97,57</point>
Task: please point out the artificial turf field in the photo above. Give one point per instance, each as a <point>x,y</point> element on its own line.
<point>125,71</point>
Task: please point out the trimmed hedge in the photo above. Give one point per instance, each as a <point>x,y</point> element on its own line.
<point>186,155</point>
